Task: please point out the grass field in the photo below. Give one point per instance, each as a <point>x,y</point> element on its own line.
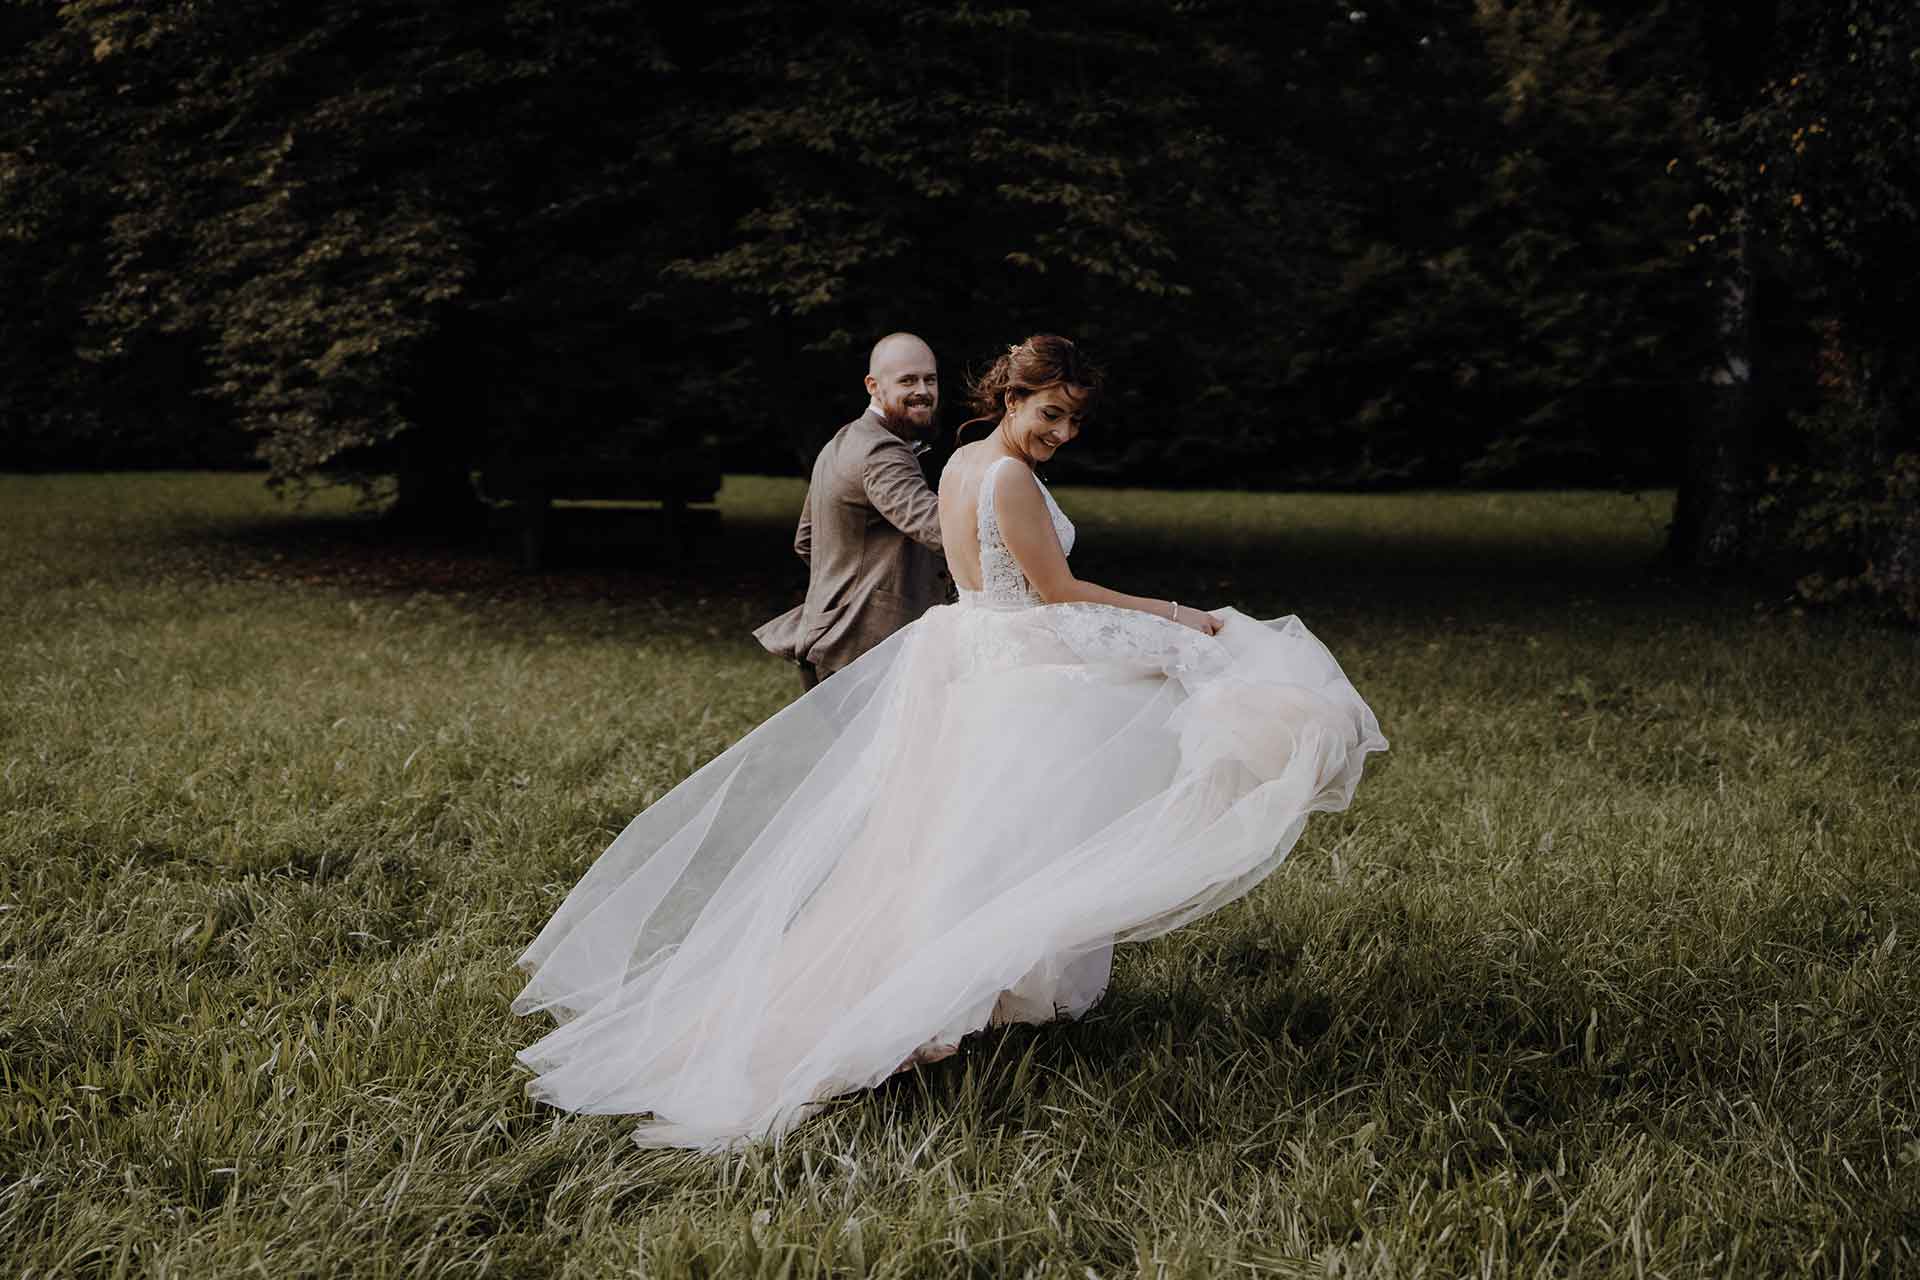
<point>1611,969</point>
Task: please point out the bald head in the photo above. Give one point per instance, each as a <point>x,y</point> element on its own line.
<point>895,350</point>
<point>903,379</point>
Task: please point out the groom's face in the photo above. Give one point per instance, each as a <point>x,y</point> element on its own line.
<point>907,388</point>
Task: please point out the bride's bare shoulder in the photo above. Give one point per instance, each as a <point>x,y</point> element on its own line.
<point>963,464</point>
<point>954,469</point>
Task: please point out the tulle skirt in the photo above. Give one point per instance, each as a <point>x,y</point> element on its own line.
<point>951,832</point>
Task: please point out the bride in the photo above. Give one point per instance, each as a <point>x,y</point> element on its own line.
<point>952,832</point>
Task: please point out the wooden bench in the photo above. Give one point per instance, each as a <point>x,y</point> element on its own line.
<point>533,483</point>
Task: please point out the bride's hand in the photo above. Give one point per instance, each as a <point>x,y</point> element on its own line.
<point>1200,620</point>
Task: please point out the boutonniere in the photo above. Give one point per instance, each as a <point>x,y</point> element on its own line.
<point>919,447</point>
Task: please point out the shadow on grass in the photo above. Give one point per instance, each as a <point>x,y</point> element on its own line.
<point>1184,1075</point>
<point>592,553</point>
<point>1448,567</point>
<point>1185,1068</point>
<point>1463,563</point>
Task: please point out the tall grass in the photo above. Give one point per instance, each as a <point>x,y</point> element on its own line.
<point>1610,970</point>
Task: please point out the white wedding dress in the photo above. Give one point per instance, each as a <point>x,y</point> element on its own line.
<point>952,831</point>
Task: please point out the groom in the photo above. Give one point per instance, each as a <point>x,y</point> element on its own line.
<point>870,526</point>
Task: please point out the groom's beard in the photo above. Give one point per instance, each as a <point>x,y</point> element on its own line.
<point>901,423</point>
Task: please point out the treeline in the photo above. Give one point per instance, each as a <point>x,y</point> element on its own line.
<point>1493,241</point>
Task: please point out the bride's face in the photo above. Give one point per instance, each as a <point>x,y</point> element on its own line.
<point>1041,424</point>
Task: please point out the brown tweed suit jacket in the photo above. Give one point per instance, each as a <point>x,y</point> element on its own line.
<point>870,534</point>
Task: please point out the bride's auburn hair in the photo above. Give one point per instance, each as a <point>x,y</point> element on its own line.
<point>1042,361</point>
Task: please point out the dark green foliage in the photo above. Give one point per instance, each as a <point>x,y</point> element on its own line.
<point>61,404</point>
<point>1817,184</point>
<point>384,236</point>
<point>1575,243</point>
<point>977,175</point>
<point>1850,511</point>
<point>375,226</point>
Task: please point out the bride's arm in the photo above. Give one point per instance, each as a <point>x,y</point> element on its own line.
<point>1028,530</point>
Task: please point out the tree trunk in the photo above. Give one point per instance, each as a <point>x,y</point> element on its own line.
<point>1712,517</point>
<point>449,437</point>
<point>1712,512</point>
<point>435,492</point>
<point>1889,388</point>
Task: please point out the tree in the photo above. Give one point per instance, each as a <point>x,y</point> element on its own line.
<point>1017,170</point>
<point>1813,223</point>
<point>1574,246</point>
<point>59,405</point>
<point>373,278</point>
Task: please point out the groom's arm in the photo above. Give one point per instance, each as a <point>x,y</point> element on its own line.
<point>803,536</point>
<point>898,491</point>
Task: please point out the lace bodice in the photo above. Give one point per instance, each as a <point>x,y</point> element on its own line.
<point>1002,585</point>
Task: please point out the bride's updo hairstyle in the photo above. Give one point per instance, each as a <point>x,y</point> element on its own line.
<point>1042,361</point>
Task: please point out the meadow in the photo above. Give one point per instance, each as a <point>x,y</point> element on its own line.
<point>1611,969</point>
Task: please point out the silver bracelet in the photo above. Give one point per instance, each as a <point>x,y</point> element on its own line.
<point>1176,610</point>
